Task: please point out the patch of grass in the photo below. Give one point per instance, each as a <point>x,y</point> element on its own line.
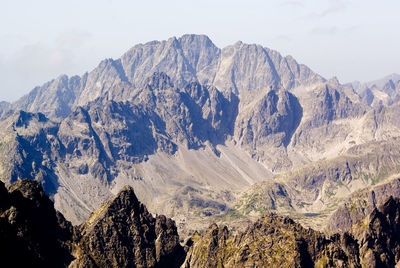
<point>353,207</point>
<point>234,214</point>
<point>329,193</point>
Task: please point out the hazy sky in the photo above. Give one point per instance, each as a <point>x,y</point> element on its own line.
<point>41,39</point>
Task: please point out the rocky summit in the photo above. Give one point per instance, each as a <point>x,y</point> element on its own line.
<point>203,135</point>
<point>122,233</point>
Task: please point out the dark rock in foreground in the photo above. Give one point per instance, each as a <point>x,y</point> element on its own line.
<point>32,232</point>
<point>122,233</point>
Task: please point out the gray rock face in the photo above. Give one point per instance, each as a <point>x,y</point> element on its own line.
<point>32,151</point>
<point>385,91</point>
<point>106,139</point>
<point>190,58</point>
<point>4,106</point>
<point>55,98</point>
<point>362,203</point>
<point>271,122</point>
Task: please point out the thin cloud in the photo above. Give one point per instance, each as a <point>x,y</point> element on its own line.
<point>336,6</point>
<point>332,30</point>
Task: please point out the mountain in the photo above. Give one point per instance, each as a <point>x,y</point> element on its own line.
<point>84,158</point>
<point>194,129</point>
<point>4,106</point>
<point>238,68</point>
<point>361,203</point>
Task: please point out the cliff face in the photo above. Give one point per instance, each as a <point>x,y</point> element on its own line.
<point>378,235</point>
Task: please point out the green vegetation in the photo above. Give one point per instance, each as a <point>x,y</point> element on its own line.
<point>234,214</point>
<point>353,207</point>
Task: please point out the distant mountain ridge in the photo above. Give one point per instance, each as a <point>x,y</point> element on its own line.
<point>190,58</point>
<point>382,91</point>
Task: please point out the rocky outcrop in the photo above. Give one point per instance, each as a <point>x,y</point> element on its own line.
<point>378,236</point>
<point>276,241</point>
<point>265,127</point>
<point>314,191</point>
<point>362,203</point>
<point>122,233</point>
<point>272,241</point>
<point>32,232</point>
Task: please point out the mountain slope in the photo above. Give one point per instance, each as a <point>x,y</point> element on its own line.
<point>313,193</point>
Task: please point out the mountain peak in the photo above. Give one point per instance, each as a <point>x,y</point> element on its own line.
<point>107,235</point>
<point>201,38</point>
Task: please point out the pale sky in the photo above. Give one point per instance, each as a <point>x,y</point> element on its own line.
<point>41,39</point>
